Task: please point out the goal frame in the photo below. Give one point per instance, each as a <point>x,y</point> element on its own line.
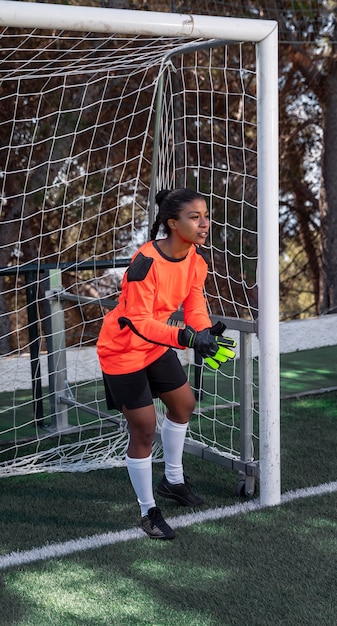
<point>264,34</point>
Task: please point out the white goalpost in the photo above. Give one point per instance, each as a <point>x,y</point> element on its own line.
<point>99,109</point>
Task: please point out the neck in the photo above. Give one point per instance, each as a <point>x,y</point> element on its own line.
<point>174,249</point>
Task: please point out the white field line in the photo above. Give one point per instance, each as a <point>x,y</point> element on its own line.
<point>57,550</point>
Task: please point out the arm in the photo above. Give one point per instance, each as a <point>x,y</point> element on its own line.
<point>194,305</point>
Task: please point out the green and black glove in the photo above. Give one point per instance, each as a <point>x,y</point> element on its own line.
<point>210,344</point>
<point>224,343</point>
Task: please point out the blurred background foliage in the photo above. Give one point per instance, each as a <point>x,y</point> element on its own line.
<point>308,154</point>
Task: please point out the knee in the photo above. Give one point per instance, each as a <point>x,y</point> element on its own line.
<point>142,426</point>
<point>142,436</point>
<point>189,408</point>
<point>181,413</point>
<point>146,438</point>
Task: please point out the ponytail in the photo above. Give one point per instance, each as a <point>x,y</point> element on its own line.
<point>160,197</point>
<point>155,228</point>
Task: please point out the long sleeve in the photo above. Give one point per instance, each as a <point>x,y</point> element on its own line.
<point>194,305</point>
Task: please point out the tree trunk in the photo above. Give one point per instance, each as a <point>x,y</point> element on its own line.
<point>328,196</point>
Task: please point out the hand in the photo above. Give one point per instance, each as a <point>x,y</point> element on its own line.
<point>215,349</point>
<point>224,343</point>
<point>203,341</point>
<point>225,352</point>
<point>218,328</point>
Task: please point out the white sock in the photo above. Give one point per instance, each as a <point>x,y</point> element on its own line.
<point>173,438</point>
<point>140,472</point>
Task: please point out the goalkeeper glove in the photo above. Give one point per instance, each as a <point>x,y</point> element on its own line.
<point>225,344</point>
<point>213,348</point>
<point>201,341</point>
<point>224,352</point>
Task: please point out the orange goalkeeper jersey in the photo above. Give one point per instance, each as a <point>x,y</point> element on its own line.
<point>136,333</point>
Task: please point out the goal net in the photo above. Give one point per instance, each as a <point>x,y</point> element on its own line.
<point>92,125</point>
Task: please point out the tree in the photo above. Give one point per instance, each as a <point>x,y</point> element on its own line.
<point>308,128</point>
<point>308,104</point>
<point>71,155</point>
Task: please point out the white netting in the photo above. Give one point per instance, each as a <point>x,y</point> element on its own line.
<point>77,120</point>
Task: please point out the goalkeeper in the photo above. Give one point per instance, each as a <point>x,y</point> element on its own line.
<point>135,348</point>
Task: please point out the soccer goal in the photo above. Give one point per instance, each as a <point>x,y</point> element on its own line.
<point>100,108</point>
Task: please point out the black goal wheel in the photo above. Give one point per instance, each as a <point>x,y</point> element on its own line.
<point>246,487</point>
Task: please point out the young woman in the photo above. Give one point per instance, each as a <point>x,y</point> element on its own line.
<point>135,348</point>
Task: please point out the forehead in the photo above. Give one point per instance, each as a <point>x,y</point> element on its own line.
<point>195,206</point>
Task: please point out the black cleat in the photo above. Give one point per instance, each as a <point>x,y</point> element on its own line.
<point>154,525</point>
<point>181,493</point>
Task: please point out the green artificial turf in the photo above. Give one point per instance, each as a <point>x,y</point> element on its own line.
<point>274,566</point>
<point>308,370</point>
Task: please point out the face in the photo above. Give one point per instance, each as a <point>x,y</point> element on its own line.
<point>193,223</point>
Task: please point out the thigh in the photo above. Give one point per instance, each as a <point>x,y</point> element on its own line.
<point>142,426</point>
<point>168,380</point>
<point>180,403</point>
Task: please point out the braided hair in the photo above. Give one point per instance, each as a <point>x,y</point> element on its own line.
<point>170,203</point>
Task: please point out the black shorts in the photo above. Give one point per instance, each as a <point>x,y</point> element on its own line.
<point>137,389</point>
